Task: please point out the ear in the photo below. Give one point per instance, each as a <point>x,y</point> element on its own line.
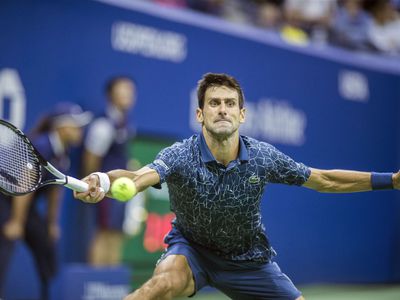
<point>199,115</point>
<point>242,116</point>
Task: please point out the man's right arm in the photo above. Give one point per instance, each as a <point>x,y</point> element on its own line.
<point>143,178</point>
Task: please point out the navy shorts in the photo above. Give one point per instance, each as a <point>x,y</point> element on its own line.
<point>244,280</point>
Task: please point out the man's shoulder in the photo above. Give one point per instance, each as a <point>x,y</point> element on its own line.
<point>254,144</point>
<point>179,153</point>
<point>188,143</point>
<point>181,149</point>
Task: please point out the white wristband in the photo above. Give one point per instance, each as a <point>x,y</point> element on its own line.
<point>104,181</point>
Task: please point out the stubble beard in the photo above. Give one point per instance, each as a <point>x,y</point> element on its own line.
<point>221,135</point>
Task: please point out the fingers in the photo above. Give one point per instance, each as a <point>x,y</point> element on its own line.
<point>94,193</point>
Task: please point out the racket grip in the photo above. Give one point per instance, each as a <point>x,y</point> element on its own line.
<point>78,185</point>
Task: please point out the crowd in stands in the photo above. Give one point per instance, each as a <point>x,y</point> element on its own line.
<point>364,25</point>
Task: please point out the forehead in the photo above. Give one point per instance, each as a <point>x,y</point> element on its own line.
<point>123,84</point>
<point>221,92</point>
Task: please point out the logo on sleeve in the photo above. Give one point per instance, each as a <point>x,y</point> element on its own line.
<point>254,179</point>
<point>161,163</point>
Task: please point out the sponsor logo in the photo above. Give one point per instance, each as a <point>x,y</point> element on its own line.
<point>161,163</point>
<point>149,42</point>
<point>353,86</point>
<point>103,291</point>
<point>275,121</point>
<point>254,179</point>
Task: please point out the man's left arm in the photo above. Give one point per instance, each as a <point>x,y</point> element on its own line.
<point>345,181</point>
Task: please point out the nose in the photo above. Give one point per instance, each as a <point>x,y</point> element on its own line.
<point>222,109</point>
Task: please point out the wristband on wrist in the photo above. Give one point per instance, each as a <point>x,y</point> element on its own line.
<point>381,181</point>
<point>104,181</point>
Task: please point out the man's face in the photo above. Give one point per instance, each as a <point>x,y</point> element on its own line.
<point>71,134</point>
<point>123,95</point>
<point>221,114</point>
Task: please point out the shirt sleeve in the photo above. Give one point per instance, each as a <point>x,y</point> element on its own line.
<point>100,137</point>
<point>167,161</point>
<point>283,169</point>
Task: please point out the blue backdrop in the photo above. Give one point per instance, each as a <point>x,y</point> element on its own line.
<point>325,107</point>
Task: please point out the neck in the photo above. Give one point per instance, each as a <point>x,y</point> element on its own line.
<point>223,149</point>
<point>115,113</point>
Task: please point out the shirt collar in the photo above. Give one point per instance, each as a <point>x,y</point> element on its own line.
<point>56,144</point>
<point>207,156</point>
<point>114,114</point>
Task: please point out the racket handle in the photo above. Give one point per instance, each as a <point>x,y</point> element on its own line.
<point>77,185</point>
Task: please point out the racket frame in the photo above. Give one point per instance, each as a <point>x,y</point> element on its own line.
<point>61,179</point>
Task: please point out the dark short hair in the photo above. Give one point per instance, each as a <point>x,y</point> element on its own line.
<point>114,80</point>
<point>215,79</point>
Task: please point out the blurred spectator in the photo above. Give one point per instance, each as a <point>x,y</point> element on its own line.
<point>384,32</point>
<point>105,149</point>
<point>396,4</point>
<point>269,15</point>
<point>299,22</point>
<point>314,17</point>
<point>237,11</point>
<point>351,25</point>
<point>20,217</point>
<point>171,3</point>
<point>212,7</point>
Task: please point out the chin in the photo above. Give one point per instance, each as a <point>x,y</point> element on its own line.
<point>222,133</point>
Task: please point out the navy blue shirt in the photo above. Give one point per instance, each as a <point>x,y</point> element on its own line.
<point>218,207</point>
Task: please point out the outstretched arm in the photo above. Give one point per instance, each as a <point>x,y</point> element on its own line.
<point>143,178</point>
<point>344,181</point>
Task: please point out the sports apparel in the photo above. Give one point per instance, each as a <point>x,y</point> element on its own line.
<point>244,280</point>
<point>218,207</point>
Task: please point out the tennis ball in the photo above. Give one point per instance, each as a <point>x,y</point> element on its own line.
<point>123,189</point>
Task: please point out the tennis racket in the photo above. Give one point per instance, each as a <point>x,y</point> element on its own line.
<point>21,165</point>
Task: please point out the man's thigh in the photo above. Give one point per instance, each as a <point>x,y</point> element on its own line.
<point>179,273</point>
<point>264,282</point>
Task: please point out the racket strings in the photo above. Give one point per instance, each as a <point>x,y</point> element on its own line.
<point>19,166</point>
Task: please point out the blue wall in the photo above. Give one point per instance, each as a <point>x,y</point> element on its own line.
<point>325,107</point>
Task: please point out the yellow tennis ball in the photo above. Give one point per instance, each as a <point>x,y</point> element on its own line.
<point>123,189</point>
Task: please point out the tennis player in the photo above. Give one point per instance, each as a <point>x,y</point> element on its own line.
<point>215,181</point>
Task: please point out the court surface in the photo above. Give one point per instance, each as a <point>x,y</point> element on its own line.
<point>331,292</point>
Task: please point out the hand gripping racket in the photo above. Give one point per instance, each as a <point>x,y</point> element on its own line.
<point>21,165</point>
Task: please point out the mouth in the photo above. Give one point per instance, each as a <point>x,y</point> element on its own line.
<point>222,120</point>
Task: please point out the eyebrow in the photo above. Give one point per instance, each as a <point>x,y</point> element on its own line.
<point>216,98</point>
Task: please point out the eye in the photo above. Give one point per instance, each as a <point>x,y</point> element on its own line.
<point>213,102</point>
<point>230,103</point>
